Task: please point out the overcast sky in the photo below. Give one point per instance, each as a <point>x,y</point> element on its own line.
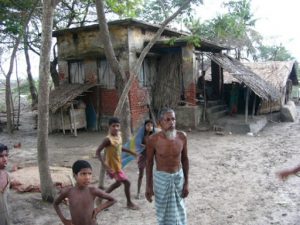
<point>277,21</point>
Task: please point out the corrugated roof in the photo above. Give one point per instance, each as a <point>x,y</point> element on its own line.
<point>244,74</point>
<point>66,93</point>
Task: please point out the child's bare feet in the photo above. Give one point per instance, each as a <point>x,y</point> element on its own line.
<point>137,196</point>
<point>132,206</point>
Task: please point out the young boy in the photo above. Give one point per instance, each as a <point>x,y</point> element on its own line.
<point>148,129</point>
<point>82,197</point>
<point>4,186</point>
<point>113,162</point>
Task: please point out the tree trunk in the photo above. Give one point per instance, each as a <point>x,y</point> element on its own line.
<point>53,72</point>
<point>115,67</point>
<point>8,96</point>
<point>123,107</point>
<point>32,88</point>
<point>138,64</point>
<point>47,188</point>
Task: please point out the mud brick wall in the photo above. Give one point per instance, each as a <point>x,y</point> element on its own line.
<point>108,101</point>
<point>138,103</point>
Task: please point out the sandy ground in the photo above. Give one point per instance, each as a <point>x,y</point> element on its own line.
<point>232,177</point>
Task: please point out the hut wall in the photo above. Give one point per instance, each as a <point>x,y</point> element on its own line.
<point>78,45</point>
<point>128,41</point>
<point>267,107</point>
<point>139,94</point>
<point>217,80</point>
<point>57,119</point>
<point>189,75</point>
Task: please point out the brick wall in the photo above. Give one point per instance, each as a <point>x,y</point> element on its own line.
<point>138,103</point>
<point>108,101</point>
<point>190,94</point>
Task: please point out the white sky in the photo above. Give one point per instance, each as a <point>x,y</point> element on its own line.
<point>276,21</point>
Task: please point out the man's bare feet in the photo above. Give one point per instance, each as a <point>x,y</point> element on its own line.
<point>132,206</point>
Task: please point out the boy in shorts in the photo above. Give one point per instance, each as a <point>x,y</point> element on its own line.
<point>113,160</point>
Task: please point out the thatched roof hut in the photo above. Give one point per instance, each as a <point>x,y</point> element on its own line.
<point>275,72</point>
<point>64,94</point>
<point>235,71</point>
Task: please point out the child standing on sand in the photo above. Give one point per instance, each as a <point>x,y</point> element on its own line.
<point>82,197</point>
<point>148,129</point>
<point>4,186</point>
<point>113,162</point>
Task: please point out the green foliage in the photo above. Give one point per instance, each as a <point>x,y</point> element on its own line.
<point>231,25</point>
<point>274,53</point>
<point>23,88</point>
<point>156,11</point>
<point>12,15</point>
<point>125,8</point>
<point>194,39</point>
<point>170,41</point>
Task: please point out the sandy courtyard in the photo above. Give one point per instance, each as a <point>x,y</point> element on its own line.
<point>232,177</point>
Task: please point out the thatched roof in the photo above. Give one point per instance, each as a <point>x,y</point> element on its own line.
<point>275,72</point>
<point>66,93</point>
<point>244,74</point>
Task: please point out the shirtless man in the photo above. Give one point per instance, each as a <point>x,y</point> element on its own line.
<point>168,182</point>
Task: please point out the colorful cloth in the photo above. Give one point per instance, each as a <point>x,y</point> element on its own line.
<point>4,212</point>
<point>113,153</point>
<point>170,208</point>
<point>119,176</point>
<point>134,144</point>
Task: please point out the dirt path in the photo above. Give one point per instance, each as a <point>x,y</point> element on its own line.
<point>232,177</point>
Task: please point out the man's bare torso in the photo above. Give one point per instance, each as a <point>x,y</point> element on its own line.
<point>168,151</point>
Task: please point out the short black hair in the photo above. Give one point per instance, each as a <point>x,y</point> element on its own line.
<point>113,120</point>
<point>79,165</point>
<point>3,148</point>
<point>148,121</point>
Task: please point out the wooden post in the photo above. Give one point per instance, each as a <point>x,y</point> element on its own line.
<point>98,106</point>
<point>71,120</point>
<point>253,107</point>
<point>247,104</point>
<point>62,120</point>
<point>73,115</point>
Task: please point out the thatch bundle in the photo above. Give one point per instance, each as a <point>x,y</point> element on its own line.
<point>167,83</point>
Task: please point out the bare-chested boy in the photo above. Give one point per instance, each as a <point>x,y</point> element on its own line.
<point>4,186</point>
<point>168,182</point>
<point>113,161</point>
<point>81,197</point>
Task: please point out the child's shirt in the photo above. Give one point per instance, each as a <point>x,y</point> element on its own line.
<point>113,153</point>
<point>4,214</point>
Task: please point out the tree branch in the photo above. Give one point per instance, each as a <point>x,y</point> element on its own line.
<point>141,58</point>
